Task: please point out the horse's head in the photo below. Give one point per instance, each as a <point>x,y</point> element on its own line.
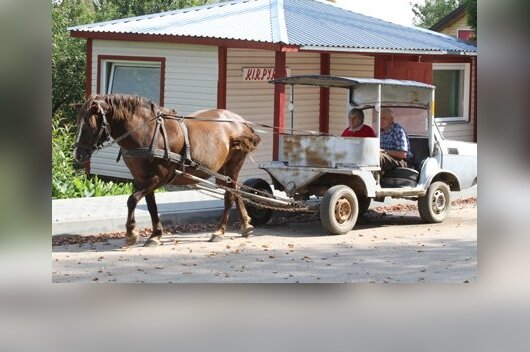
<point>93,128</point>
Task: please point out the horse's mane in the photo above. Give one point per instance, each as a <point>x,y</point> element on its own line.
<point>123,104</point>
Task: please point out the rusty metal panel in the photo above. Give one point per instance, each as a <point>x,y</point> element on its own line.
<point>294,179</point>
<point>329,151</point>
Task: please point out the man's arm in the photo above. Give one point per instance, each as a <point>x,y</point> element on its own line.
<point>396,153</point>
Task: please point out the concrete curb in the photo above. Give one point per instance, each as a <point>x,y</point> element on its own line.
<point>88,216</point>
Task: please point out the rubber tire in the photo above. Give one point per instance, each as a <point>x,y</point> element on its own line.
<point>327,209</point>
<point>437,195</point>
<point>258,216</point>
<point>364,204</point>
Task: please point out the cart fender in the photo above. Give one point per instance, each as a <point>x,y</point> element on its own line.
<point>369,181</point>
<point>431,172</point>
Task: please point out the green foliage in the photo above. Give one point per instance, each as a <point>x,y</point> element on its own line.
<point>431,11</point>
<point>471,8</point>
<point>129,8</point>
<point>68,54</point>
<point>67,182</point>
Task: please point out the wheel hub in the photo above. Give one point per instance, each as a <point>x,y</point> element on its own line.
<point>438,201</point>
<point>343,210</point>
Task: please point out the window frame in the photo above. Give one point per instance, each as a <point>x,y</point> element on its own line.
<point>466,68</point>
<point>107,62</point>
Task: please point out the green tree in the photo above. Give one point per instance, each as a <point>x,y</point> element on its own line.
<point>128,8</point>
<point>430,12</point>
<point>471,8</point>
<point>68,54</point>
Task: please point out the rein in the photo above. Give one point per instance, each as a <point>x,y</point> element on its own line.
<point>183,160</point>
<point>105,127</point>
<point>248,123</point>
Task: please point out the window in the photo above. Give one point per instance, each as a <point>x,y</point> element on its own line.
<point>133,77</point>
<point>452,91</point>
<point>465,34</point>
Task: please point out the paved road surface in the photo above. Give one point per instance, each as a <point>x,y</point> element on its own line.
<point>392,246</point>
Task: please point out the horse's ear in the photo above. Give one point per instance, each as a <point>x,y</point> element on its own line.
<point>154,108</point>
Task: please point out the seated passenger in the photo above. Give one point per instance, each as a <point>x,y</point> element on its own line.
<point>357,127</point>
<point>395,146</point>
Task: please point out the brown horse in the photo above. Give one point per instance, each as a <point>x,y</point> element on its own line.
<point>220,146</point>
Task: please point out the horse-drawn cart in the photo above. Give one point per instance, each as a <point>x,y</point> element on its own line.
<point>336,176</point>
<point>339,176</point>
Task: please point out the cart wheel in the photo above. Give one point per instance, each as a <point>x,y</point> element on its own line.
<point>339,209</point>
<point>258,215</point>
<point>435,205</point>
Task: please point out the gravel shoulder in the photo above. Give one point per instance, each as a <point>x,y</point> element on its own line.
<point>388,245</point>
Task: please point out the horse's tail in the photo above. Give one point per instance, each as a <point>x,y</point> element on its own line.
<point>246,142</point>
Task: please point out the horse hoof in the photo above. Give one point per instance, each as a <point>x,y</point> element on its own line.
<point>152,242</point>
<point>247,231</point>
<point>131,240</point>
<point>215,238</point>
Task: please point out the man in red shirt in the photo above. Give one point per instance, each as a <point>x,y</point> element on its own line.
<point>357,127</point>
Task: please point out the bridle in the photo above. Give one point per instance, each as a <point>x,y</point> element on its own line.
<point>98,142</point>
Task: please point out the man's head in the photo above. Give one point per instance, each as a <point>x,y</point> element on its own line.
<point>387,118</point>
<point>356,118</point>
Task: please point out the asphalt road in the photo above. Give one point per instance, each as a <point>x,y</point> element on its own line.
<point>389,245</point>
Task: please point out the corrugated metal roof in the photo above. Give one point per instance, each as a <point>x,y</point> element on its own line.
<point>345,82</point>
<point>309,24</point>
<point>240,20</point>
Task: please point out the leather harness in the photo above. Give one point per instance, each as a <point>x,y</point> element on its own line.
<point>183,160</point>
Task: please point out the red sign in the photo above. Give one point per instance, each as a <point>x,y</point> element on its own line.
<point>260,73</point>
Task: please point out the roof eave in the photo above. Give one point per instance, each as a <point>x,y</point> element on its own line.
<point>182,39</point>
<point>386,51</point>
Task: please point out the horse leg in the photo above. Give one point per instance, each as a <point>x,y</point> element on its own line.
<point>234,165</point>
<point>154,239</point>
<point>142,189</point>
<point>246,227</point>
<point>219,233</point>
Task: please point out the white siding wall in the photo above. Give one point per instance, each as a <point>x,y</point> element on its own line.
<point>457,131</point>
<point>347,65</point>
<point>191,84</point>
<point>253,100</point>
<point>453,28</point>
<point>306,99</point>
